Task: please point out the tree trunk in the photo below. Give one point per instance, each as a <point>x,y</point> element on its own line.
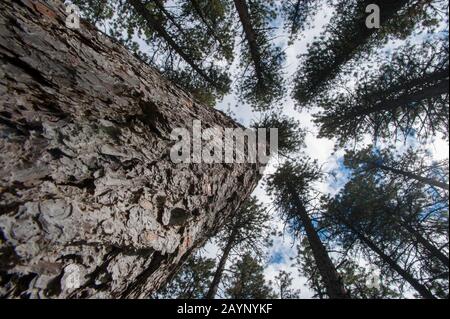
<point>333,283</point>
<point>212,291</point>
<point>152,22</point>
<point>91,204</point>
<point>250,36</point>
<point>421,289</point>
<point>422,179</point>
<point>439,87</point>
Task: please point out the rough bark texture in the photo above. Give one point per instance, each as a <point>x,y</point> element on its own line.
<point>85,174</point>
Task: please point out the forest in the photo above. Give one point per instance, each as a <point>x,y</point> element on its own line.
<point>353,205</point>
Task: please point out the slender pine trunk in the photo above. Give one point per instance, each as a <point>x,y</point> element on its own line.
<point>212,291</point>
<point>433,250</point>
<point>421,289</point>
<point>422,179</point>
<point>333,283</point>
<point>250,36</point>
<point>91,205</point>
<point>152,22</point>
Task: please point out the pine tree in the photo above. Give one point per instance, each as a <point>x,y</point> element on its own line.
<point>247,231</point>
<point>91,203</point>
<point>361,283</point>
<point>414,165</point>
<point>407,96</point>
<point>291,135</point>
<point>297,15</point>
<point>290,187</point>
<point>176,43</point>
<point>347,37</point>
<point>191,281</point>
<point>283,286</point>
<point>389,220</point>
<point>261,83</point>
<point>246,280</point>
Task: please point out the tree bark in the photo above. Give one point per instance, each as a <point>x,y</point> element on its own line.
<point>212,291</point>
<point>90,203</point>
<point>333,283</point>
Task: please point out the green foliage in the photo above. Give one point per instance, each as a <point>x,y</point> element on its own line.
<point>402,219</point>
<point>249,228</point>
<point>346,37</point>
<point>290,135</point>
<point>191,281</point>
<point>361,282</point>
<point>185,50</point>
<point>261,83</point>
<point>372,160</point>
<point>246,280</point>
<point>293,181</point>
<point>407,96</point>
<point>283,286</point>
<point>297,14</point>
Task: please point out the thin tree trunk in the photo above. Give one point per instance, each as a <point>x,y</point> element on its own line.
<point>422,179</point>
<point>250,36</point>
<point>437,89</point>
<point>160,5</point>
<point>421,289</point>
<point>433,250</point>
<point>333,283</point>
<point>296,14</point>
<point>212,291</point>
<point>91,205</point>
<point>156,25</point>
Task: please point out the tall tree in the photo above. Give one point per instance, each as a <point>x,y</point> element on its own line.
<point>191,281</point>
<point>375,214</point>
<point>413,164</point>
<point>290,187</point>
<point>262,82</point>
<point>283,286</point>
<point>362,283</point>
<point>155,23</point>
<point>91,203</point>
<point>408,95</point>
<point>346,37</point>
<point>297,15</point>
<point>246,231</point>
<point>291,135</point>
<point>246,280</point>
